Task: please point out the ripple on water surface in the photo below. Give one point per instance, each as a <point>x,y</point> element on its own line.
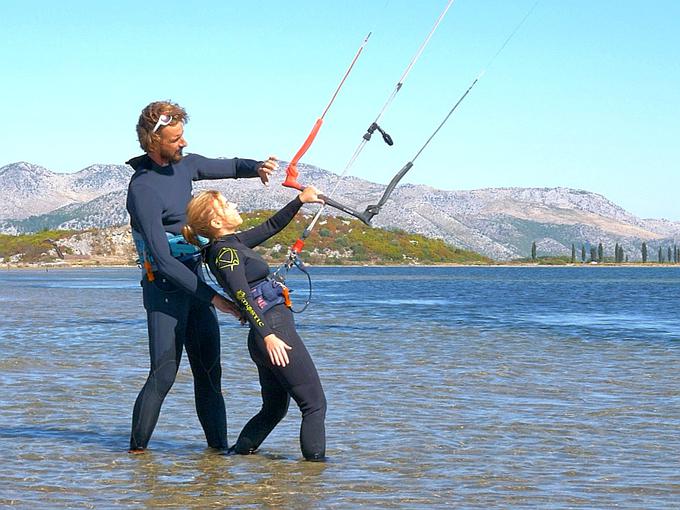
<point>469,387</point>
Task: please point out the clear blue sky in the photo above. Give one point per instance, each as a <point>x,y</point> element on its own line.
<point>587,94</point>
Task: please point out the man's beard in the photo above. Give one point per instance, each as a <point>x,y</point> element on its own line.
<point>172,157</point>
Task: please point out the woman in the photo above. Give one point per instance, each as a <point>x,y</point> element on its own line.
<point>285,367</point>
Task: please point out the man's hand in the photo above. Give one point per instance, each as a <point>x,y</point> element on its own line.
<point>226,306</point>
<point>266,168</point>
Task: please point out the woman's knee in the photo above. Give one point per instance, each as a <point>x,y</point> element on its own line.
<point>275,410</point>
<point>312,400</point>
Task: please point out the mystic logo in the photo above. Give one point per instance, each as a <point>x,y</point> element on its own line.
<point>241,298</point>
<point>227,258</point>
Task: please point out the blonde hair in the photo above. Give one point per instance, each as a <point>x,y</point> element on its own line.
<point>148,140</point>
<point>200,211</point>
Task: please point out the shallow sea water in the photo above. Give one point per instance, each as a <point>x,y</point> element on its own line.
<point>447,387</point>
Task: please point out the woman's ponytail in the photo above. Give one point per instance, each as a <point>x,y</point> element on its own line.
<point>190,235</point>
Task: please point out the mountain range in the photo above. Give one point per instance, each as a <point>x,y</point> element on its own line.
<point>501,223</point>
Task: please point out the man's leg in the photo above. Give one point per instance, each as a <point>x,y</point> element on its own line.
<point>203,350</point>
<point>165,310</point>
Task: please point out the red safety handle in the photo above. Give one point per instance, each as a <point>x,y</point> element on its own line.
<point>291,170</point>
<point>297,246</point>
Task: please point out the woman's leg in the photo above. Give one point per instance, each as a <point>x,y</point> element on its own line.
<point>300,379</point>
<point>275,401</point>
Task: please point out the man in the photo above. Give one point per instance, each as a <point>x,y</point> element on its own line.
<point>180,306</point>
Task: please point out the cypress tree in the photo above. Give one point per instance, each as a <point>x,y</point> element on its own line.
<point>616,253</point>
<point>660,254</point>
<point>644,252</point>
<point>583,253</point>
<point>670,254</point>
<point>593,254</point>
<point>533,250</point>
<point>573,253</point>
<point>600,252</point>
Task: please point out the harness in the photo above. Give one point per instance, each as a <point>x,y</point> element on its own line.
<point>180,249</point>
<point>269,293</point>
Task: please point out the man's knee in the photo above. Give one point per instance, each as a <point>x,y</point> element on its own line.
<point>163,378</point>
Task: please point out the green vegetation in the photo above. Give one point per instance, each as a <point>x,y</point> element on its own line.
<point>334,241</point>
<point>343,241</point>
<point>545,260</point>
<point>665,255</point>
<point>32,246</point>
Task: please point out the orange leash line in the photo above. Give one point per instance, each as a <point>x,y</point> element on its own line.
<point>149,272</point>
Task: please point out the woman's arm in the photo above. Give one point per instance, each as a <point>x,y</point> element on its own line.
<point>257,235</point>
<point>226,265</point>
<point>275,224</point>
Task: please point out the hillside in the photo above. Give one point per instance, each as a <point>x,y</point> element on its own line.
<point>500,223</point>
<point>335,241</point>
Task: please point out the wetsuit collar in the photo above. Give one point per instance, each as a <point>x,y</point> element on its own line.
<point>144,162</point>
<point>140,162</point>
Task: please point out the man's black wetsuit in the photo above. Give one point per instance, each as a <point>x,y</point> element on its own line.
<point>238,268</point>
<point>177,302</point>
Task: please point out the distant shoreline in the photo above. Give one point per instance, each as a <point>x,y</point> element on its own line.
<point>96,265</point>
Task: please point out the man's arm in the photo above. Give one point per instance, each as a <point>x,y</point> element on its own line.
<point>234,168</point>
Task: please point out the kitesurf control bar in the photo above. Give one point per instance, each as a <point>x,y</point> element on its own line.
<point>372,210</point>
<point>374,125</point>
<point>291,171</point>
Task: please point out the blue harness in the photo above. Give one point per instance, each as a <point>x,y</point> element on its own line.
<point>269,293</point>
<point>179,248</point>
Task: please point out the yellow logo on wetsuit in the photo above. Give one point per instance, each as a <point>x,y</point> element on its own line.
<point>227,258</point>
<point>241,297</point>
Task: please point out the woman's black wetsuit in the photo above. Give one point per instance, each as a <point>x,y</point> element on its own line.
<point>238,268</point>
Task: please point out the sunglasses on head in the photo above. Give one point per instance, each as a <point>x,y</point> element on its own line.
<point>163,120</point>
